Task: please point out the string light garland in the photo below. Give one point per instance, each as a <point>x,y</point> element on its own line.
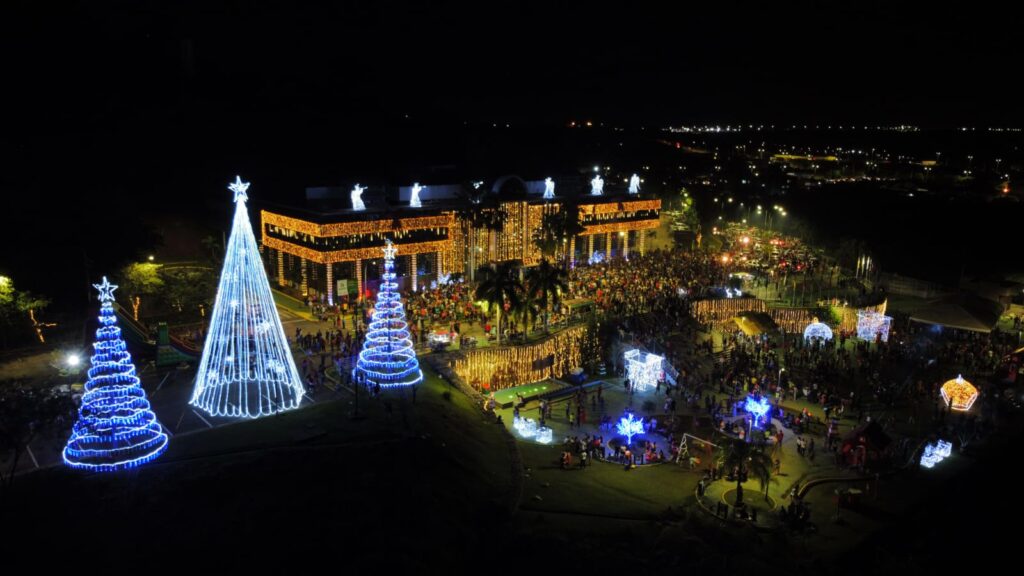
<point>959,394</point>
<point>619,207</point>
<point>621,226</point>
<point>873,324</point>
<point>446,220</point>
<point>116,428</point>
<point>247,368</point>
<point>335,256</point>
<point>388,359</point>
<point>505,367</point>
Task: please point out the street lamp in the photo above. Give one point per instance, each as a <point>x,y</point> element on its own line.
<point>73,360</point>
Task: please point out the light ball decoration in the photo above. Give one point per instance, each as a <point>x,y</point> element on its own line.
<point>247,369</point>
<point>817,330</point>
<point>116,427</point>
<point>388,359</point>
<point>959,394</point>
<point>643,370</point>
<point>871,324</point>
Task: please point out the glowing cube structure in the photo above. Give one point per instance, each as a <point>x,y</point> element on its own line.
<point>544,435</point>
<point>871,324</point>
<point>643,369</point>
<point>959,394</point>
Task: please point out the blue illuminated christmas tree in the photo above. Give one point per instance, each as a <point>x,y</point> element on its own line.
<point>387,357</point>
<point>116,429</point>
<point>247,368</point>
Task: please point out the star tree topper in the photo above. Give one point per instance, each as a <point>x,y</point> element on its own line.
<point>239,188</point>
<point>389,250</point>
<point>106,290</point>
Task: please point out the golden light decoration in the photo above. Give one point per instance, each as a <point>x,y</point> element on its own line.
<point>959,394</point>
<point>621,226</point>
<point>619,207</point>
<point>353,254</point>
<point>505,367</point>
<point>446,220</point>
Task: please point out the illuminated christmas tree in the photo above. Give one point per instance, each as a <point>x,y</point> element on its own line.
<point>116,429</point>
<point>247,368</point>
<point>387,358</point>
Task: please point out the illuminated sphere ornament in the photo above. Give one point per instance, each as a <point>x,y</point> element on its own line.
<point>116,428</point>
<point>817,330</point>
<point>387,358</point>
<point>643,369</point>
<point>959,394</point>
<point>247,368</point>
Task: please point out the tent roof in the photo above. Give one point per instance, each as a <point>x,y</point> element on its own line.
<point>961,312</point>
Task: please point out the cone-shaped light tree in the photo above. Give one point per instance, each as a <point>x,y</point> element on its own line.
<point>116,428</point>
<point>247,368</point>
<point>388,358</point>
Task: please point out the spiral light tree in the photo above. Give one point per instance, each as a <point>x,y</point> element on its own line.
<point>388,358</point>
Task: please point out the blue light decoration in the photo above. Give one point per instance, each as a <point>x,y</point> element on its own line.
<point>414,201</point>
<point>935,453</point>
<point>758,408</point>
<point>357,197</point>
<point>596,258</point>
<point>634,184</point>
<point>817,330</point>
<point>629,427</point>
<point>247,369</point>
<point>116,428</point>
<point>597,186</point>
<point>387,358</point>
<point>549,189</point>
<point>871,324</point>
<point>643,369</point>
<point>544,435</point>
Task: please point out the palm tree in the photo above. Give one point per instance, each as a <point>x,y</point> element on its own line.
<point>748,460</point>
<point>527,312</point>
<point>546,283</point>
<point>555,231</point>
<point>499,283</point>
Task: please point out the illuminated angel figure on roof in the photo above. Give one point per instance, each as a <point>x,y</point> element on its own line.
<point>414,201</point>
<point>597,186</point>
<point>357,198</point>
<point>634,184</point>
<point>549,188</point>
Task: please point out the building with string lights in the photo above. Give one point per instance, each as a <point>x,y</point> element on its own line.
<point>330,246</point>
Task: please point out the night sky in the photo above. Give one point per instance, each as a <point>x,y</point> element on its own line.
<point>153,106</point>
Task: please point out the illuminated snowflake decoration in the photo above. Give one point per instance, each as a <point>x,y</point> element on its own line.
<point>758,408</point>
<point>643,369</point>
<point>629,427</point>
<point>959,394</point>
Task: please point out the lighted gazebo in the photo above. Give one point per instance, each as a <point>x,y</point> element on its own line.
<point>959,394</point>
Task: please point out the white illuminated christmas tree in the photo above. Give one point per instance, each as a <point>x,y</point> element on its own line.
<point>388,358</point>
<point>247,368</point>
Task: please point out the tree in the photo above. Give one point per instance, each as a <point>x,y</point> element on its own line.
<point>116,427</point>
<point>28,303</point>
<point>527,312</point>
<point>189,288</point>
<point>247,368</point>
<point>499,284</point>
<point>555,231</point>
<point>388,359</point>
<point>747,460</point>
<point>477,213</point>
<point>140,279</point>
<point>14,304</point>
<point>26,412</point>
<point>215,249</point>
<point>546,283</point>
